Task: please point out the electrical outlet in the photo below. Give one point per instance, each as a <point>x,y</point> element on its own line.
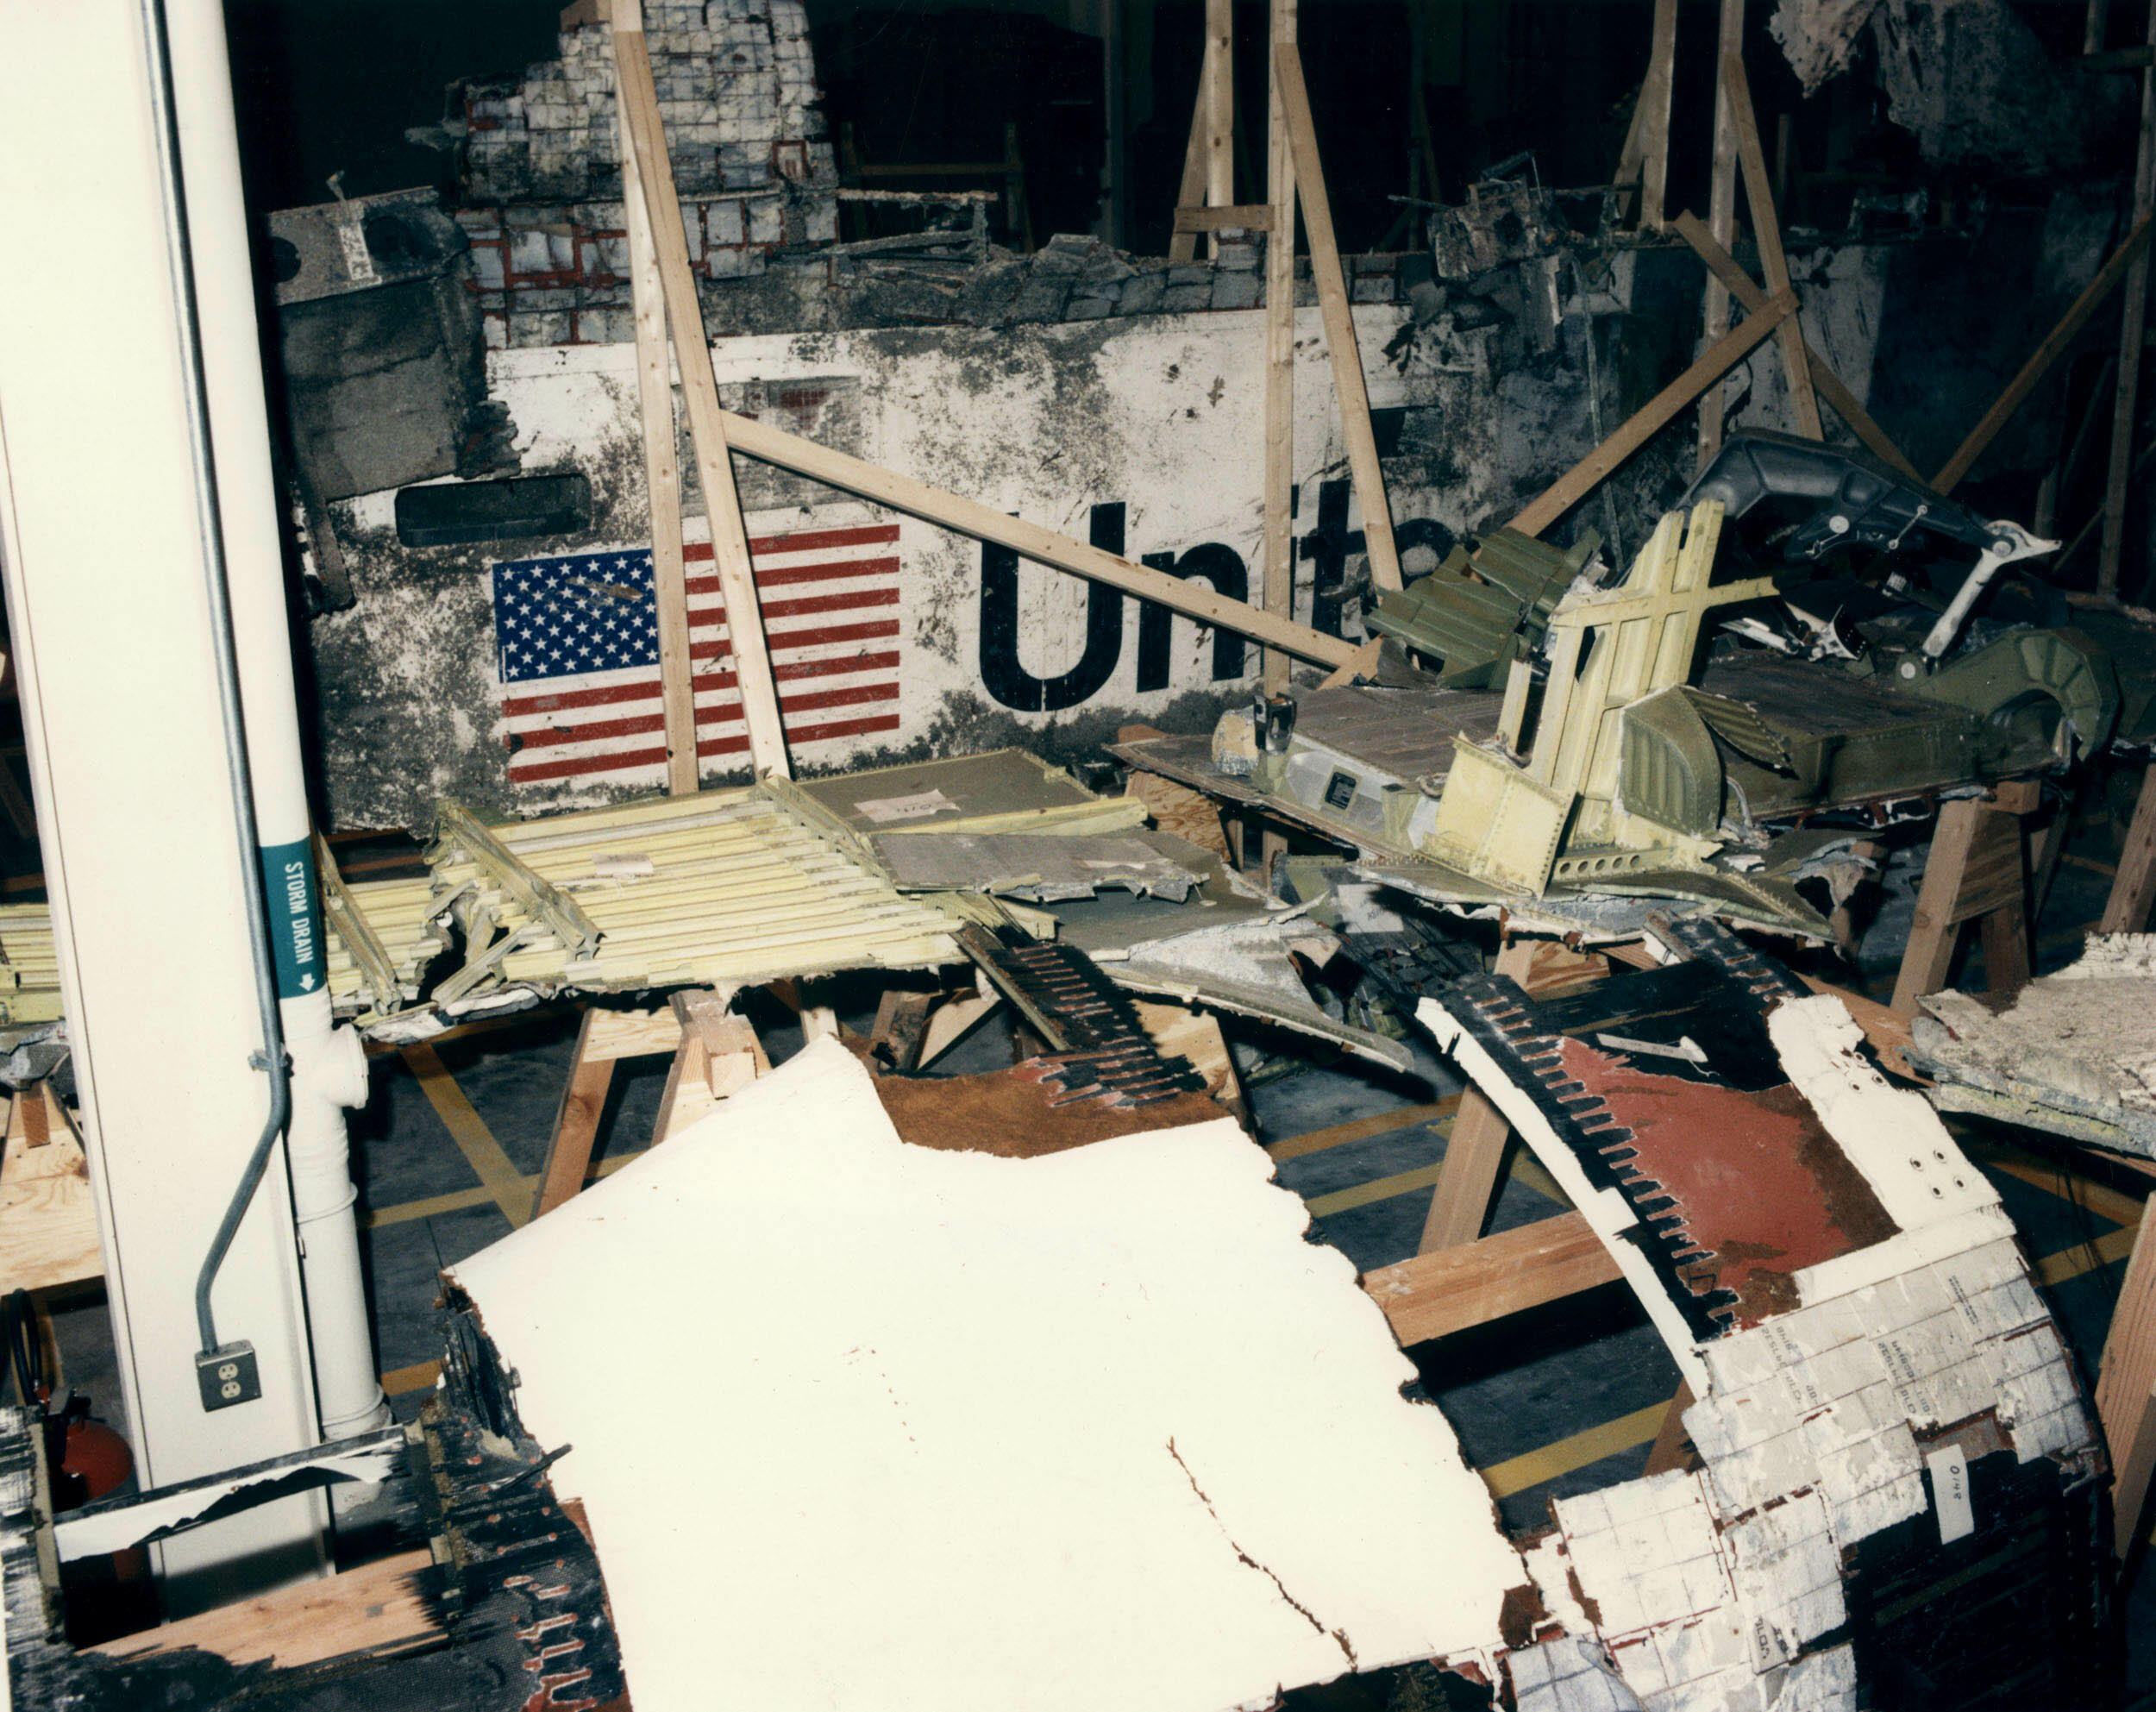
<point>229,1375</point>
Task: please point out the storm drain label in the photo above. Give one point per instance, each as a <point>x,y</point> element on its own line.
<point>295,917</point>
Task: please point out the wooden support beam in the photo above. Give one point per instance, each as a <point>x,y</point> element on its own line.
<point>1279,581</point>
<point>1631,159</point>
<point>1656,96</point>
<point>2126,1386</point>
<point>984,522</point>
<point>1362,667</point>
<point>1714,362</point>
<point>2018,389</point>
<point>1844,402</point>
<point>1191,193</point>
<point>1474,1159</point>
<point>639,103</point>
<point>1475,1151</point>
<point>1439,1292</point>
<point>1766,229</point>
<point>952,1021</point>
<point>662,474</point>
<point>1721,220</point>
<point>719,1054</point>
<point>2134,887</point>
<point>1339,320</point>
<point>1196,1035</point>
<point>1220,74</point>
<point>2132,325</point>
<point>901,1026</point>
<point>1251,216</point>
<point>575,1122</point>
<point>1977,869</point>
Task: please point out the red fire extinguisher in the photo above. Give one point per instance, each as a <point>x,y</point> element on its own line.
<point>84,1459</point>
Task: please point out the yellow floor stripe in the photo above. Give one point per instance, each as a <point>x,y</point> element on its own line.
<point>2099,1198</point>
<point>406,1379</point>
<point>1526,1168</point>
<point>1360,1129</point>
<point>1403,1182</point>
<point>405,1211</point>
<point>2110,1248</point>
<point>457,1200</point>
<point>1567,1455</point>
<point>509,1188</point>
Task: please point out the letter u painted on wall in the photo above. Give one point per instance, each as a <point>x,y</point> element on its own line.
<point>1327,546</point>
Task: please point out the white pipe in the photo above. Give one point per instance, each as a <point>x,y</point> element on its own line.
<point>329,1075</point>
<point>327,1067</point>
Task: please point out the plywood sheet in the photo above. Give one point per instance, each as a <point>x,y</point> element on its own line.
<point>953,1431</point>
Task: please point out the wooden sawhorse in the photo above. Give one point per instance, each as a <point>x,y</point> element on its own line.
<point>716,1053</point>
<point>1981,858</point>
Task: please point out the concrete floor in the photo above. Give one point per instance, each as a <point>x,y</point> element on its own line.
<point>1564,1400</point>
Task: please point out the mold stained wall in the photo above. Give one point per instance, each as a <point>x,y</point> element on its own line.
<point>1143,433</point>
<point>1149,425</point>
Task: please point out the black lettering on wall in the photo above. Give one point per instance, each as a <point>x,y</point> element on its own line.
<point>1413,532</point>
<point>1327,546</point>
<point>1001,675</point>
<point>1224,568</point>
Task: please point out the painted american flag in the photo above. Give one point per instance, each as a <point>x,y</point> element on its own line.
<point>577,653</point>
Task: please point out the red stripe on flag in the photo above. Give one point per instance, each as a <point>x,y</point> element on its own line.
<point>539,771</point>
<point>633,726</point>
<point>637,725</point>
<point>826,732</point>
<point>852,696</point>
<point>806,541</point>
<point>875,631</point>
<point>562,701</point>
<point>831,570</point>
<point>804,668</point>
<point>848,602</point>
<point>806,734</point>
<point>844,728</point>
<point>853,600</point>
<point>781,641</point>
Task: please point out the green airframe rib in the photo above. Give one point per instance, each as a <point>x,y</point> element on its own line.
<point>1481,609</point>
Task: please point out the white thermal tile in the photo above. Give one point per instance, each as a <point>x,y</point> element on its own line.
<point>1096,1429</point>
<point>1848,1368</point>
<point>1742,1358</point>
<point>1876,1507</point>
